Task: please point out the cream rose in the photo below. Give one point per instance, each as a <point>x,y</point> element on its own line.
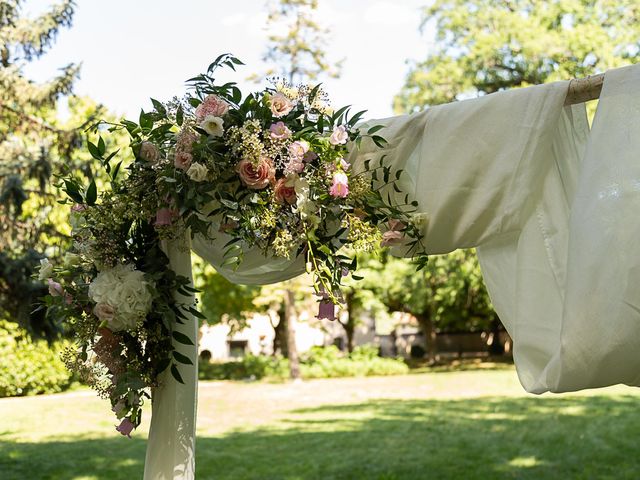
<point>104,312</point>
<point>213,126</point>
<point>256,177</point>
<point>280,104</point>
<point>197,172</point>
<point>149,152</point>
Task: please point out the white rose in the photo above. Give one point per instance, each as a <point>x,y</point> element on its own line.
<point>213,125</point>
<point>197,172</point>
<point>46,269</point>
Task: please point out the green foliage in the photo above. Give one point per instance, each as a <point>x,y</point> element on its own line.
<point>222,300</point>
<point>29,367</point>
<point>483,46</point>
<point>449,290</point>
<point>319,362</point>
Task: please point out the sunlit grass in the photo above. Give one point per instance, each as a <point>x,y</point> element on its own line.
<point>470,425</point>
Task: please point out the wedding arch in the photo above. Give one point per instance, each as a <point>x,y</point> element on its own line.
<point>273,184</point>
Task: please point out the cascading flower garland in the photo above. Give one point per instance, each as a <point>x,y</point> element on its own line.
<point>269,170</point>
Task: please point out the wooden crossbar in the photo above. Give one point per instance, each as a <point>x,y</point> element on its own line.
<point>584,89</point>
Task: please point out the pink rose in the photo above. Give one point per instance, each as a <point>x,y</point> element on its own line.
<point>125,427</point>
<point>55,289</point>
<point>279,131</point>
<point>339,136</point>
<point>165,217</point>
<point>211,105</point>
<point>256,177</point>
<point>284,192</point>
<point>280,105</point>
<point>340,187</point>
<point>183,160</point>
<point>309,156</point>
<point>391,238</point>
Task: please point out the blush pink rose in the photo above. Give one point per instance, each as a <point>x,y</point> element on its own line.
<point>283,192</point>
<point>280,105</point>
<point>340,187</point>
<point>183,160</point>
<point>256,177</point>
<point>211,105</point>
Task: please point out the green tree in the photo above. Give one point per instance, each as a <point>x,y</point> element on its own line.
<point>34,145</point>
<point>483,46</point>
<point>298,54</point>
<point>446,295</point>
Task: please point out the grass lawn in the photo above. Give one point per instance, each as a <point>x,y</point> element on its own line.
<point>475,424</point>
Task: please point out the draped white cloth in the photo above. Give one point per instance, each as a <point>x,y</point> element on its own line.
<point>553,208</point>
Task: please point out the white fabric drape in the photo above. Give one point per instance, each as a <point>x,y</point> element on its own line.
<point>172,435</point>
<point>553,208</point>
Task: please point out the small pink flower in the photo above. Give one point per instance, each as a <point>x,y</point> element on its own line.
<point>279,131</point>
<point>165,217</point>
<point>344,164</point>
<point>340,187</point>
<point>339,136</point>
<point>298,149</point>
<point>396,225</point>
<point>55,289</point>
<point>78,208</point>
<point>256,177</point>
<point>391,238</point>
<point>183,160</point>
<point>211,105</point>
<point>125,427</point>
<point>283,192</point>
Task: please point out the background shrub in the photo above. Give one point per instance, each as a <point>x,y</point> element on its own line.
<point>319,362</point>
<point>29,367</point>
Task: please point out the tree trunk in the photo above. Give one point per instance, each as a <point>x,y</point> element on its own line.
<point>289,317</point>
<point>429,331</point>
<point>350,325</point>
<point>495,347</point>
<point>280,334</point>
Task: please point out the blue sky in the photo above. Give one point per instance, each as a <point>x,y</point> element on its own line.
<point>133,50</point>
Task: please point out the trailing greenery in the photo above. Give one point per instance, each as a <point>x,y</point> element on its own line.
<point>319,362</point>
<point>29,367</point>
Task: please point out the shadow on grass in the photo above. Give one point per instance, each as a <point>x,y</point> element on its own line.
<point>481,438</point>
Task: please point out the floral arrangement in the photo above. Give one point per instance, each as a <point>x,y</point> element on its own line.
<point>269,170</point>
